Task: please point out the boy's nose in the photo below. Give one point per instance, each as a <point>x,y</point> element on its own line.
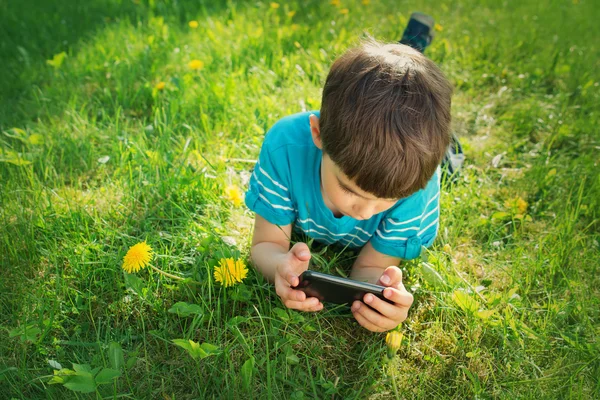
<point>365,214</point>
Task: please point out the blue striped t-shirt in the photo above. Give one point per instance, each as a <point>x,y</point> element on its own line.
<point>285,188</point>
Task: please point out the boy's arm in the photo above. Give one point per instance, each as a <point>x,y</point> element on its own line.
<point>370,264</point>
<point>269,243</point>
<point>282,267</point>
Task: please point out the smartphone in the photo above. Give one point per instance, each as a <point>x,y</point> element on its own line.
<point>335,289</point>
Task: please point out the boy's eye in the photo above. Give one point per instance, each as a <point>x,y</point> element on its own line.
<point>345,190</point>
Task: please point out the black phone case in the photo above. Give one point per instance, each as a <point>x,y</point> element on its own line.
<point>335,289</point>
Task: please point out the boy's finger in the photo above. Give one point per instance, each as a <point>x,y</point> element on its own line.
<point>293,279</point>
<point>306,305</point>
<point>399,296</point>
<point>289,293</point>
<point>392,276</point>
<point>373,316</point>
<point>300,251</point>
<point>366,323</point>
<point>391,311</point>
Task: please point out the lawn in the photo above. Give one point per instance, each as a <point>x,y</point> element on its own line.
<point>122,122</point>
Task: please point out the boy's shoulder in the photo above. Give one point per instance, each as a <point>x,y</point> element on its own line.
<point>293,129</point>
<point>420,200</point>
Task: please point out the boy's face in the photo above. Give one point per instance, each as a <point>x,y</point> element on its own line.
<point>341,195</point>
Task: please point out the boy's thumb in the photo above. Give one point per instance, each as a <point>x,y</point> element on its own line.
<point>301,251</point>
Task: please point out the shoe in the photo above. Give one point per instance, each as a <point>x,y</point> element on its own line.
<point>419,31</point>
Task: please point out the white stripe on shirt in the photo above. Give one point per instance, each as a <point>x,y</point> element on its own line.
<point>390,238</point>
<point>417,217</point>
<point>275,205</point>
<point>272,180</point>
<point>428,226</point>
<point>302,221</point>
<point>269,190</point>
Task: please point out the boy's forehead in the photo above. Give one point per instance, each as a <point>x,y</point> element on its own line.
<point>349,184</point>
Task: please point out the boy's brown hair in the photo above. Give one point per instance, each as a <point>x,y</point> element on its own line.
<point>385,118</point>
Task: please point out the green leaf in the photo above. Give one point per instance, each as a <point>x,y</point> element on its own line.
<point>134,283</point>
<point>131,360</point>
<point>431,276</point>
<point>500,216</point>
<point>26,332</point>
<point>282,314</point>
<point>196,350</point>
<point>57,60</point>
<point>61,375</point>
<point>484,314</point>
<point>107,375</point>
<point>292,359</point>
<point>184,309</point>
<point>35,139</point>
<point>18,134</point>
<point>235,321</point>
<point>465,302</point>
<point>12,157</point>
<point>247,372</point>
<point>83,368</point>
<point>82,382</point>
<point>296,317</point>
<point>241,293</point>
<point>210,349</point>
<point>115,355</point>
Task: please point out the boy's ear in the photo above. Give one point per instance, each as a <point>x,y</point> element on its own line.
<point>315,131</point>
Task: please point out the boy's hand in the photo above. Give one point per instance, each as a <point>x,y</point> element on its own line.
<point>383,316</point>
<point>287,273</point>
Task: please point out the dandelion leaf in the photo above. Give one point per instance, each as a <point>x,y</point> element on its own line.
<point>465,302</point>
<point>247,372</point>
<point>183,309</point>
<point>431,276</point>
<point>115,355</point>
<point>107,375</point>
<point>81,382</point>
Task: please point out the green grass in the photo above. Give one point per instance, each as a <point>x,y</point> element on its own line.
<point>94,159</point>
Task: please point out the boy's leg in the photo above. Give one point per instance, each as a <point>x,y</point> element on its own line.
<point>418,32</point>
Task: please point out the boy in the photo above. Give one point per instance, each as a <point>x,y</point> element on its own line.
<point>362,172</point>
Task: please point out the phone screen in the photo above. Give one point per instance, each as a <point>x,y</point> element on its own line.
<point>335,289</point>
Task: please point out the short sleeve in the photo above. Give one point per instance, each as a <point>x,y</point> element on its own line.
<point>269,190</point>
<point>411,223</point>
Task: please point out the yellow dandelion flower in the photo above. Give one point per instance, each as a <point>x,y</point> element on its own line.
<point>230,272</point>
<point>366,2</point>
<point>344,11</point>
<point>234,194</point>
<point>521,205</point>
<point>447,248</point>
<point>516,204</point>
<point>196,64</point>
<point>274,5</point>
<point>160,85</point>
<point>137,257</point>
<point>295,27</point>
<point>291,14</point>
<point>335,3</point>
<point>193,24</point>
<point>438,27</point>
<point>393,340</point>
